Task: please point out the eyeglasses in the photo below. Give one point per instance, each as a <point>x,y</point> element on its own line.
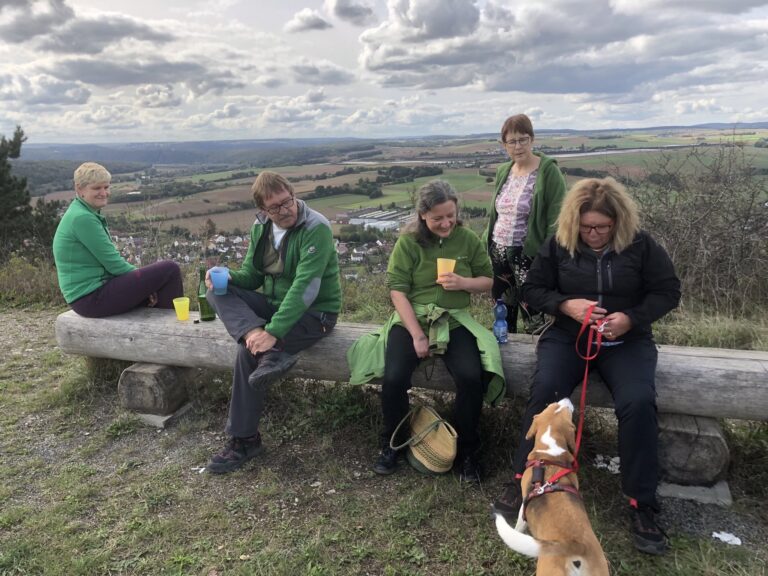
<point>600,228</point>
<point>524,141</point>
<point>284,205</point>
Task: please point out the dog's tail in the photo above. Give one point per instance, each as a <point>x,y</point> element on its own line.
<point>517,541</point>
<point>529,546</point>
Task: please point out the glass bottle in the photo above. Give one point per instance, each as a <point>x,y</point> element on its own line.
<point>206,311</point>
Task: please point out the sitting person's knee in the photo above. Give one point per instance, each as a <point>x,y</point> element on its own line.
<point>637,405</point>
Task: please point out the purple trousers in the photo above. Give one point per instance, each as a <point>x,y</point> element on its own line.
<point>131,290</point>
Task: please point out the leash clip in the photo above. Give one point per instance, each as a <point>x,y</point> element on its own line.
<point>541,489</point>
<point>600,326</point>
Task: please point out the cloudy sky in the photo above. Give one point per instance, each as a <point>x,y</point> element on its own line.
<point>139,70</point>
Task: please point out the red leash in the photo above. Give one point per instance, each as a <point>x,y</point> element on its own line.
<point>583,400</point>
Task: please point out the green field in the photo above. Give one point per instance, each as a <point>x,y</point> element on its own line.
<point>473,189</point>
<point>211,176</point>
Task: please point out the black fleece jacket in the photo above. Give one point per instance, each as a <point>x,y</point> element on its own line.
<point>640,281</point>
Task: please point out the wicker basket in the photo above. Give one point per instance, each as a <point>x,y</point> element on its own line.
<point>432,445</point>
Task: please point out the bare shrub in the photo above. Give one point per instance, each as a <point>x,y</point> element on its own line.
<point>24,281</point>
<point>708,209</point>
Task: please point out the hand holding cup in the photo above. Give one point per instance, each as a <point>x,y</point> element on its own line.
<point>219,278</point>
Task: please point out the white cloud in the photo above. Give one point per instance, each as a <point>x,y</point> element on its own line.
<point>224,68</point>
<point>306,19</point>
<point>321,72</point>
<point>357,12</point>
<point>42,90</point>
<point>27,19</point>
<point>695,106</point>
<point>268,81</point>
<point>304,109</point>
<point>229,111</point>
<point>106,118</point>
<point>157,96</point>
<point>148,70</point>
<point>418,20</point>
<point>91,36</point>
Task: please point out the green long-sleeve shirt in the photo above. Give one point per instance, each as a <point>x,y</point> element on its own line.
<point>84,253</point>
<point>412,268</point>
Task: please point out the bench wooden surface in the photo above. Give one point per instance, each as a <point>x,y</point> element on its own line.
<point>710,382</point>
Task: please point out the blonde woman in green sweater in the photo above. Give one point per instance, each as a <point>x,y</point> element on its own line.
<point>94,278</point>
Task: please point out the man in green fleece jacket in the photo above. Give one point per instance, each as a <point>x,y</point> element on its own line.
<point>285,297</point>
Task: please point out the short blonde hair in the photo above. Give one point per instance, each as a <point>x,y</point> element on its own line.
<point>605,196</point>
<point>91,173</point>
<point>268,183</point>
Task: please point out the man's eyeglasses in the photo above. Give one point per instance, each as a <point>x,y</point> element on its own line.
<point>524,141</point>
<point>600,229</point>
<point>284,205</point>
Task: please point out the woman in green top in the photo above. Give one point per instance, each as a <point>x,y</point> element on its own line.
<point>528,192</point>
<point>420,298</point>
<point>94,278</point>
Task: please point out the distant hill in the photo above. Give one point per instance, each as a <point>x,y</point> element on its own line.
<point>256,152</point>
<point>710,126</point>
<point>287,151</point>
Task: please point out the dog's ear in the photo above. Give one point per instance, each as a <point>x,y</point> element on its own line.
<point>532,430</point>
<point>571,438</point>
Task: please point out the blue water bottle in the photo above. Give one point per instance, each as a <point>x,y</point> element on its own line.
<point>500,324</point>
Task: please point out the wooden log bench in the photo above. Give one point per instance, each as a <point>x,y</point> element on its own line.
<point>694,385</point>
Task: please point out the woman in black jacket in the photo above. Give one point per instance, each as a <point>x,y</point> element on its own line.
<point>599,256</point>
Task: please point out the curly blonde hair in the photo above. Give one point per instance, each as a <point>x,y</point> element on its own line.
<point>603,195</point>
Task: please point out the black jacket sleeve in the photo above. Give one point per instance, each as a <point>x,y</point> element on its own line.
<point>661,286</point>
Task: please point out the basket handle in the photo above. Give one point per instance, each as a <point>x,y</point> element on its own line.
<point>413,440</point>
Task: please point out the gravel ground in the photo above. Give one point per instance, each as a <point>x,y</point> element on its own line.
<point>688,517</point>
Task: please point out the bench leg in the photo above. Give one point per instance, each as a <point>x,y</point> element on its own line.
<point>154,391</point>
<point>692,450</point>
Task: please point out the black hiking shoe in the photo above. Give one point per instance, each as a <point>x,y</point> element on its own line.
<point>647,535</point>
<point>509,503</point>
<point>236,453</point>
<point>272,365</point>
<point>386,463</point>
<point>469,471</point>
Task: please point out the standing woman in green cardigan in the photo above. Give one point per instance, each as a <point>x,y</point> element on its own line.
<point>526,201</point>
<point>94,278</point>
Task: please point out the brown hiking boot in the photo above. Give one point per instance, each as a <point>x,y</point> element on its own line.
<point>236,453</point>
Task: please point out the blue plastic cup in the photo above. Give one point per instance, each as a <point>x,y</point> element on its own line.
<point>220,278</point>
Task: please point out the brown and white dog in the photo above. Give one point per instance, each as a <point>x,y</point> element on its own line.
<point>561,535</point>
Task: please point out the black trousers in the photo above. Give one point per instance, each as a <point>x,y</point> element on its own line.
<point>628,371</point>
<point>462,358</point>
<point>241,311</point>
